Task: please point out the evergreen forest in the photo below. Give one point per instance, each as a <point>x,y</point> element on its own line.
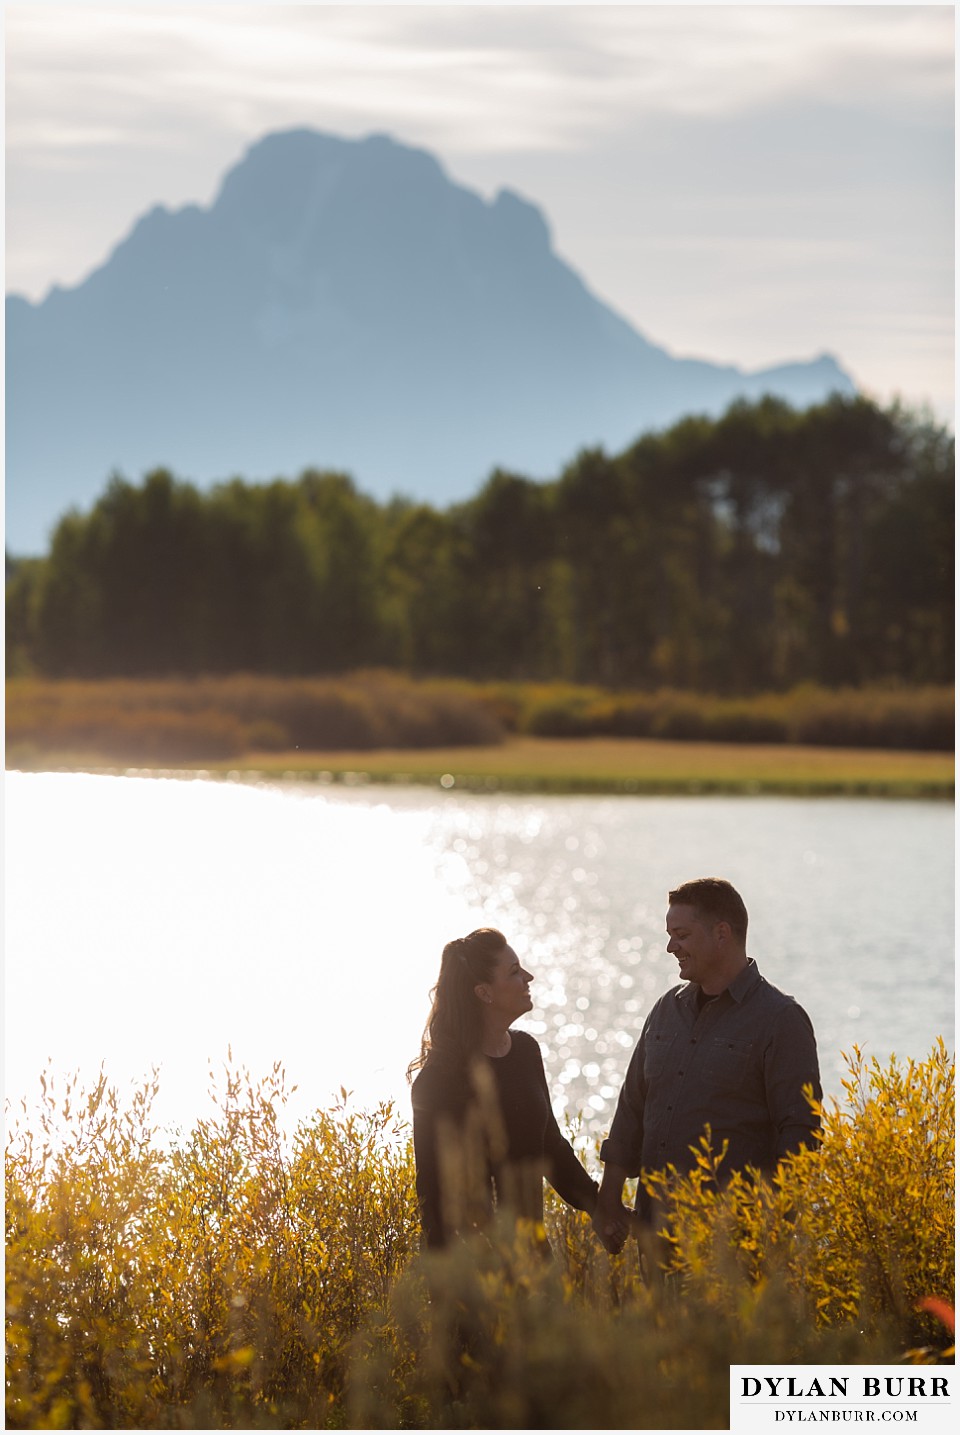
<point>750,553</point>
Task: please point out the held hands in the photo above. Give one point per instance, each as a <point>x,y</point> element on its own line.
<point>613,1222</point>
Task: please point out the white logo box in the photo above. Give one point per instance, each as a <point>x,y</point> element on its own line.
<point>765,1398</point>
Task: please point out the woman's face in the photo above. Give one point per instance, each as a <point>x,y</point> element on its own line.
<point>507,992</point>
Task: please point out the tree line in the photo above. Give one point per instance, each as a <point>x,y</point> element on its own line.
<point>752,552</point>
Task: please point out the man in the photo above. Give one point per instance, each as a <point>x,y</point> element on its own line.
<point>724,1049</point>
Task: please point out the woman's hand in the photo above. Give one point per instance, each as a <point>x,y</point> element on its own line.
<point>612,1222</point>
<point>611,1219</point>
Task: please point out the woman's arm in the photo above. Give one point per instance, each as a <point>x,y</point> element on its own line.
<point>563,1169</point>
<point>427,1160</point>
<point>565,1173</point>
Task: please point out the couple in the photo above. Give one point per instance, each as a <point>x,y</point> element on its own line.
<point>724,1049</point>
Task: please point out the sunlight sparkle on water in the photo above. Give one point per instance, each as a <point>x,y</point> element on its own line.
<point>156,921</point>
<point>159,922</point>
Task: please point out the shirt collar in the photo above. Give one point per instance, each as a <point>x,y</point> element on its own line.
<point>739,989</point>
<point>745,981</point>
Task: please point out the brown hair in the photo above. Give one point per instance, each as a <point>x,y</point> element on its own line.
<point>715,898</point>
<point>454,1026</point>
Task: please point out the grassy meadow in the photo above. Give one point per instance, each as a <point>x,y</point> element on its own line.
<point>521,737</point>
<point>240,1276</point>
<point>630,765</point>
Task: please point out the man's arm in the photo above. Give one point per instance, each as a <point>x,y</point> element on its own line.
<point>621,1154</point>
<point>790,1064</point>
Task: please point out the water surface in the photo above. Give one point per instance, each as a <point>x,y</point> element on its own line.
<point>156,921</point>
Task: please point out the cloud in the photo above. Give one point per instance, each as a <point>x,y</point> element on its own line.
<point>657,138</point>
<point>488,77</point>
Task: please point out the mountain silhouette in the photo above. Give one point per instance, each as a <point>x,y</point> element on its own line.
<point>341,304</point>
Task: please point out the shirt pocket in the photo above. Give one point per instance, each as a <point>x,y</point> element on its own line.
<point>656,1055</point>
<point>727,1064</point>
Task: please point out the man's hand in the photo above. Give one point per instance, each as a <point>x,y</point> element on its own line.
<point>611,1219</point>
<point>612,1223</point>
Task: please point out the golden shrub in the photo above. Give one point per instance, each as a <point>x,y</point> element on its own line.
<point>218,1281</point>
<point>862,1227</point>
<point>205,718</point>
<point>239,1277</point>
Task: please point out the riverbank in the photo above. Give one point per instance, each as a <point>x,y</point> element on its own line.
<point>587,765</point>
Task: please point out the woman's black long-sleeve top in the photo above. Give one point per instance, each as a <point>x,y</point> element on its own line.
<point>490,1138</point>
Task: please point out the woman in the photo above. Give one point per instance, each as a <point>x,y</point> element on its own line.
<point>484,1132</point>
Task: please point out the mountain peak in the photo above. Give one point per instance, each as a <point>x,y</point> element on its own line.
<point>303,165</point>
<point>342,303</point>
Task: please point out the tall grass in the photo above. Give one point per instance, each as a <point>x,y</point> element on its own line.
<point>206,719</point>
<point>918,719</point>
<point>241,1278</point>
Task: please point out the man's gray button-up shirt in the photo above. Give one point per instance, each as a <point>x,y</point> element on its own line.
<point>739,1064</point>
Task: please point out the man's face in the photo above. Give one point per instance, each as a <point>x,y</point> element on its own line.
<point>694,944</point>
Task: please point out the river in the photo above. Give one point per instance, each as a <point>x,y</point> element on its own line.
<point>162,921</point>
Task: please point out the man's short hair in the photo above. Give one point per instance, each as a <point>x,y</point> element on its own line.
<point>714,899</point>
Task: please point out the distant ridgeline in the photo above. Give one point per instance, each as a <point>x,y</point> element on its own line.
<point>752,552</point>
<point>342,303</point>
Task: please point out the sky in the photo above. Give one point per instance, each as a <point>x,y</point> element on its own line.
<point>748,184</point>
